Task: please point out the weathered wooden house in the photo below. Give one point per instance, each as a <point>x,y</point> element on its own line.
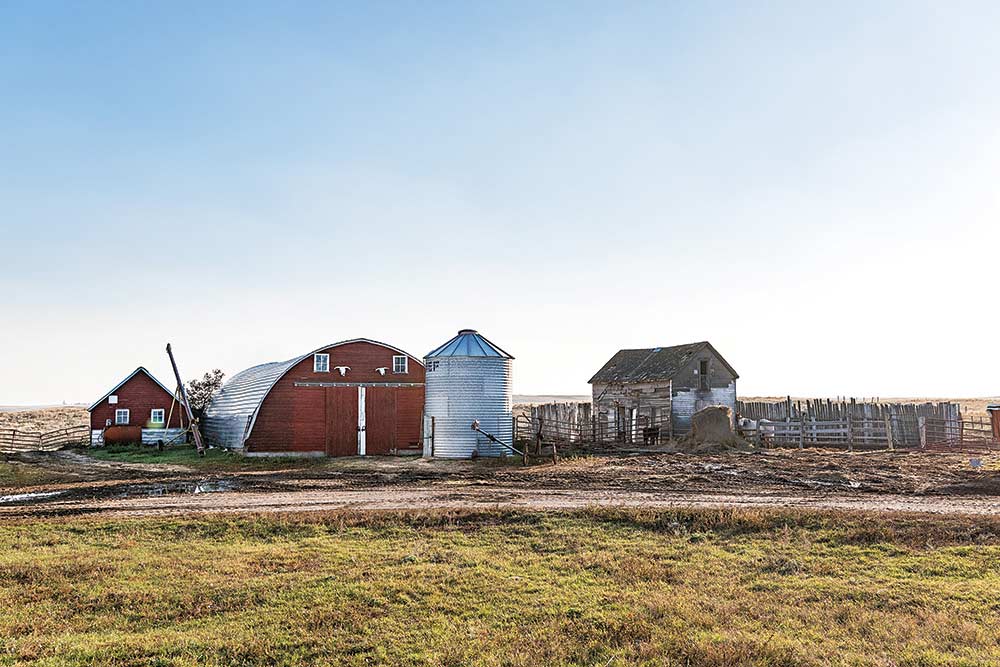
<point>660,388</point>
<point>136,409</point>
<point>356,397</point>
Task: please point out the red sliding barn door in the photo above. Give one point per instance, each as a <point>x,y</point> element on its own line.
<point>341,421</point>
<point>380,418</point>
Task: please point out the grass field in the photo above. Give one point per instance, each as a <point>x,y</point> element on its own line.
<point>43,420</point>
<point>700,588</point>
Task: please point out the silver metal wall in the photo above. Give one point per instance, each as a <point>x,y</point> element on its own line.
<point>461,390</point>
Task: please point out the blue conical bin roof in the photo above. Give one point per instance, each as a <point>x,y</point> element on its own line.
<point>468,343</point>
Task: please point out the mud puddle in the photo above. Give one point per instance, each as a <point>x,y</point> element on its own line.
<point>18,498</point>
<point>182,487</point>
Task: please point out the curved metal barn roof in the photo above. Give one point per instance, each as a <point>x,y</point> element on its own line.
<point>242,395</point>
<point>468,343</point>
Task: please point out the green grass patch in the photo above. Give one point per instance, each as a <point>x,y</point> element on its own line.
<point>699,588</point>
<point>187,455</point>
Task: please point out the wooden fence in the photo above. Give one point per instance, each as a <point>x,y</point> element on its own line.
<point>540,430</point>
<point>890,432</point>
<point>871,429</point>
<point>825,409</point>
<point>842,423</point>
<point>13,441</point>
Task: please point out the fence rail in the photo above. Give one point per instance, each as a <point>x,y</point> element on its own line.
<point>888,432</point>
<point>825,409</point>
<point>961,435</point>
<point>853,433</point>
<point>595,431</point>
<point>13,441</point>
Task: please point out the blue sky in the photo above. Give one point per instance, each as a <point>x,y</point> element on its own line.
<point>811,188</point>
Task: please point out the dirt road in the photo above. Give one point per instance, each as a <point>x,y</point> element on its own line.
<point>471,498</point>
<point>899,482</point>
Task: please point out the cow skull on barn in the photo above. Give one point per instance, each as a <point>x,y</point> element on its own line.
<point>342,370</point>
<point>381,370</point>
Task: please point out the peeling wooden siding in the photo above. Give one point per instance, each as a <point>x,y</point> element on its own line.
<point>689,401</point>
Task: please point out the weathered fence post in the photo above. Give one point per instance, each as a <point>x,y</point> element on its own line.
<point>802,430</point>
<point>850,433</point>
<point>888,432</point>
<point>922,427</point>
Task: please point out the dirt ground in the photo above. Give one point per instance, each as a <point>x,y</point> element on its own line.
<point>917,482</point>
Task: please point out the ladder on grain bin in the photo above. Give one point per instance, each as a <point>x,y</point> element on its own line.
<point>193,425</point>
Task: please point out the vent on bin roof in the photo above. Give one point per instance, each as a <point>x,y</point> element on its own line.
<point>468,343</point>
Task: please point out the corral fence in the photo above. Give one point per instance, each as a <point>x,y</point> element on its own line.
<point>961,435</point>
<point>844,424</point>
<point>13,441</point>
<point>558,425</point>
<point>862,425</point>
<point>889,432</point>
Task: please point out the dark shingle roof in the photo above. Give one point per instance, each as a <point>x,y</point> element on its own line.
<point>652,364</point>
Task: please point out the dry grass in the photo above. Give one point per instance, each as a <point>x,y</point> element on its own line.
<point>701,589</point>
<point>45,419</point>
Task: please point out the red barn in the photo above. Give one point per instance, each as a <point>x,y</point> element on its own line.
<point>356,397</point>
<point>135,410</point>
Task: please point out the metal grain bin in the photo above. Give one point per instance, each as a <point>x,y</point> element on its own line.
<point>467,379</point>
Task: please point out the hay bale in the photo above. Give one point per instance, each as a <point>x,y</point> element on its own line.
<point>712,432</point>
<point>712,424</point>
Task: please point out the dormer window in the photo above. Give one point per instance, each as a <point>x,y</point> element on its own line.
<point>400,364</point>
<point>321,363</point>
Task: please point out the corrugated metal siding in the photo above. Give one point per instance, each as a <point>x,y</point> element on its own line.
<point>686,402</point>
<point>231,410</point>
<point>169,436</point>
<point>461,390</point>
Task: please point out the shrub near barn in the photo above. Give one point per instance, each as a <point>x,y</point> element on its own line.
<point>200,392</point>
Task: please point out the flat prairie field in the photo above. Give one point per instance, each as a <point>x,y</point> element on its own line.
<point>595,587</point>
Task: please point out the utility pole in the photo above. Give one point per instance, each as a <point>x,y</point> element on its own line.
<point>180,386</point>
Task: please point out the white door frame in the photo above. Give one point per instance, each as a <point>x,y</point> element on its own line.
<point>362,435</point>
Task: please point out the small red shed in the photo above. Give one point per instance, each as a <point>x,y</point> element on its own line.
<point>135,410</point>
<point>354,398</point>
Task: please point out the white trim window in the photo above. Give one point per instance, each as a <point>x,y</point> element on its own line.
<point>400,364</point>
<point>321,363</point>
<point>121,417</point>
<point>157,416</point>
